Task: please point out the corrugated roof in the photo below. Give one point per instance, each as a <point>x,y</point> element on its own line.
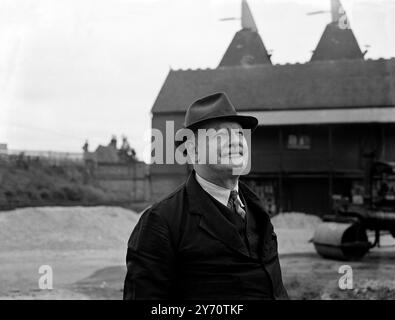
<point>324,84</point>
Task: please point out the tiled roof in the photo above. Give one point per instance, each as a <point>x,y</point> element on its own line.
<point>245,49</point>
<point>337,43</point>
<point>321,84</point>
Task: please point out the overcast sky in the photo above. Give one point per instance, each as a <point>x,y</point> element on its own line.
<point>72,70</point>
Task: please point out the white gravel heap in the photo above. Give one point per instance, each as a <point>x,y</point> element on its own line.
<point>294,232</point>
<point>74,228</point>
<point>64,228</point>
<point>295,220</point>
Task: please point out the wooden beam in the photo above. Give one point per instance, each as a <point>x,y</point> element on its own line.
<point>330,165</point>
<point>280,204</point>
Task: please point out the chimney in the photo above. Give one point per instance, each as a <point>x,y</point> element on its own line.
<point>247,20</point>
<point>336,10</point>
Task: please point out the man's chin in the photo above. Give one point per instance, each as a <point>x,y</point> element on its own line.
<point>232,163</point>
<point>236,161</point>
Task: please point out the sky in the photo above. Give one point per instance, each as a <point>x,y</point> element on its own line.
<point>72,70</point>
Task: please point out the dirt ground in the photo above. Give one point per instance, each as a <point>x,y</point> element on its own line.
<point>308,276</point>
<point>86,249</point>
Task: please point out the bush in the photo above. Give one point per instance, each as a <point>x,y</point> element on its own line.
<point>58,195</point>
<point>72,194</point>
<point>32,195</point>
<point>45,195</point>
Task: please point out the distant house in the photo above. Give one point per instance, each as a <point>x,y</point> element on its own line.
<point>118,172</point>
<point>318,121</point>
<point>107,155</point>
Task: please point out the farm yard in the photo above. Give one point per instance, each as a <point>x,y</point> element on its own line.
<point>86,248</point>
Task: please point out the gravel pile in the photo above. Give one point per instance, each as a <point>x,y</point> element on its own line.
<point>295,220</point>
<point>294,232</point>
<point>66,228</point>
<point>74,228</point>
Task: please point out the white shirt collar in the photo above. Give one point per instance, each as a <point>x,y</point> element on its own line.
<point>219,193</point>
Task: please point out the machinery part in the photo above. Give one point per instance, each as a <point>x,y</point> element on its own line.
<point>380,220</point>
<point>341,240</point>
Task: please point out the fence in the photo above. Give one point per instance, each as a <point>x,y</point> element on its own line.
<point>51,157</point>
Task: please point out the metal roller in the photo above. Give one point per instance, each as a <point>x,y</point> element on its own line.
<point>341,240</point>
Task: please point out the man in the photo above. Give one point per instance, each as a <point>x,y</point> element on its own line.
<point>211,238</point>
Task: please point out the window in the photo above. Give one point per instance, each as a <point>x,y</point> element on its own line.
<point>299,141</point>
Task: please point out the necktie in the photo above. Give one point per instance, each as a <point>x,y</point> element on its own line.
<point>235,205</point>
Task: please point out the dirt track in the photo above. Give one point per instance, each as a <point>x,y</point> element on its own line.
<point>86,249</point>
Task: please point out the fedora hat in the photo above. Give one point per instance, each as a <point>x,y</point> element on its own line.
<point>216,106</point>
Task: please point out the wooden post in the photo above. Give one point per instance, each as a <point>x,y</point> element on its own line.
<point>383,142</point>
<point>280,172</point>
<point>330,166</point>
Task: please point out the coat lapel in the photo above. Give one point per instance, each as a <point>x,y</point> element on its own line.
<point>253,202</point>
<point>262,218</point>
<point>212,220</point>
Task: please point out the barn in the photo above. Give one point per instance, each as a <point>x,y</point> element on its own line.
<point>319,122</point>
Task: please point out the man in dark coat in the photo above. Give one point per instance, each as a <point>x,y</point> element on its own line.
<point>210,238</point>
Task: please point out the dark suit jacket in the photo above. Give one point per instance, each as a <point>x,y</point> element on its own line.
<point>184,248</point>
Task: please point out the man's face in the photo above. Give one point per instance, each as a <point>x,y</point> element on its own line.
<point>221,146</point>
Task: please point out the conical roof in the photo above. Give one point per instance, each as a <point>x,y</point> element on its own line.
<point>247,47</point>
<point>338,40</point>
